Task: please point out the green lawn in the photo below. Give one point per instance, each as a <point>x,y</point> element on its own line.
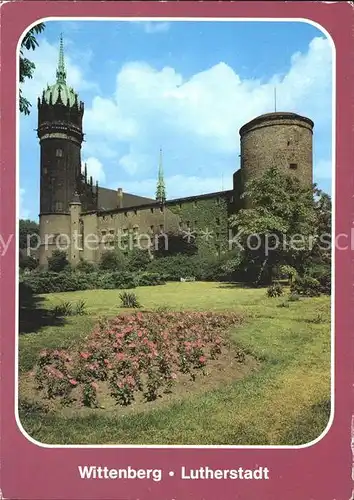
<point>286,401</point>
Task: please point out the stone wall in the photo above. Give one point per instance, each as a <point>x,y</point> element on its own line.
<point>54,233</point>
<point>281,140</point>
<point>204,218</point>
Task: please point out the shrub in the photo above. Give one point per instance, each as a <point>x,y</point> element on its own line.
<point>306,286</point>
<point>45,282</point>
<point>211,270</point>
<point>85,267</point>
<point>326,283</point>
<point>288,272</point>
<point>58,261</point>
<point>113,260</point>
<point>149,279</point>
<point>69,281</point>
<point>63,309</point>
<point>27,262</point>
<point>322,273</point>
<point>275,290</point>
<point>80,308</point>
<point>175,267</point>
<point>178,244</point>
<point>48,282</point>
<point>294,297</point>
<point>138,259</point>
<point>53,374</point>
<point>129,299</point>
<point>135,352</point>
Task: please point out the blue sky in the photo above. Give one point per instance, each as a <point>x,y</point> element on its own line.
<point>184,86</point>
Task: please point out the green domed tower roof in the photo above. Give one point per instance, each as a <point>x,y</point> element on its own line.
<point>60,91</point>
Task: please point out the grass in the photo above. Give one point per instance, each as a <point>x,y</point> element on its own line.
<point>285,401</point>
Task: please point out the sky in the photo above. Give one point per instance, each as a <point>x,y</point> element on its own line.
<point>184,86</point>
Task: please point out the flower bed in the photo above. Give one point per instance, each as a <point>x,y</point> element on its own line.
<point>144,352</point>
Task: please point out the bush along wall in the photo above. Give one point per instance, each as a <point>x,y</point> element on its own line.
<point>175,267</point>
<point>50,282</point>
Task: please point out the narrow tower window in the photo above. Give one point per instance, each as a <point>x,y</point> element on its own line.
<point>293,166</point>
<point>59,153</point>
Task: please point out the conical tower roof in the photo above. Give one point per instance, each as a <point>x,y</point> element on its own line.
<point>60,91</point>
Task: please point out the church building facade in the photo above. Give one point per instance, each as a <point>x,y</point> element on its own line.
<point>86,219</point>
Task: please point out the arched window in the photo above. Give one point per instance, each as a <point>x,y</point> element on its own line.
<point>59,153</point>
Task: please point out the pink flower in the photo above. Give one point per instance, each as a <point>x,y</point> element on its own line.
<point>73,381</point>
<point>130,380</point>
<point>120,356</point>
<point>173,375</point>
<point>84,355</point>
<point>94,385</point>
<point>202,359</point>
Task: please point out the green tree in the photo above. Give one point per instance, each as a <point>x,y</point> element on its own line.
<point>27,262</point>
<point>27,66</point>
<point>280,227</point>
<point>113,260</point>
<point>58,261</point>
<point>138,259</point>
<point>28,233</point>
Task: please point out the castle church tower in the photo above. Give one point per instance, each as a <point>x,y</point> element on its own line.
<point>60,115</point>
<point>160,188</point>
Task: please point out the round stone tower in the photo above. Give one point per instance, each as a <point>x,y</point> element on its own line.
<point>282,140</point>
<point>60,136</point>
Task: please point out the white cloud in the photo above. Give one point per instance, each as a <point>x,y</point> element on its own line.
<point>134,162</point>
<point>45,58</point>
<point>203,113</point>
<point>94,169</point>
<point>196,119</point>
<point>151,27</point>
<point>156,27</point>
<point>178,186</point>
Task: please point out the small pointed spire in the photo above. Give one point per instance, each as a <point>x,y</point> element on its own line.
<point>85,170</point>
<point>61,73</point>
<point>76,199</point>
<point>161,189</point>
<point>91,180</point>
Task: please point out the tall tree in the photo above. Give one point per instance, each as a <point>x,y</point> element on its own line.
<point>28,230</point>
<point>284,224</point>
<point>27,66</point>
